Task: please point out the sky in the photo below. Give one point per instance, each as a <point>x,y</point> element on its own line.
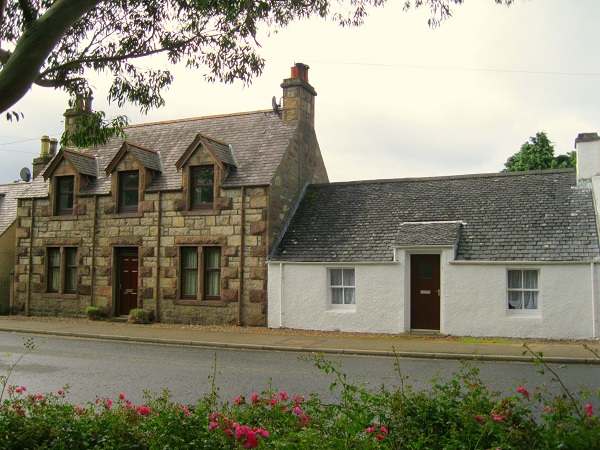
<point>396,99</point>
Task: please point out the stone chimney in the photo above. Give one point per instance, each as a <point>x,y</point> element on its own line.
<point>298,97</point>
<point>53,147</point>
<point>40,162</point>
<point>81,105</point>
<point>587,146</point>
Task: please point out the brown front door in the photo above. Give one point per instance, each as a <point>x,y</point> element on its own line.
<point>128,283</point>
<point>425,292</point>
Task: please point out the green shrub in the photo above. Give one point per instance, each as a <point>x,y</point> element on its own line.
<point>139,315</point>
<point>93,312</point>
<point>460,413</point>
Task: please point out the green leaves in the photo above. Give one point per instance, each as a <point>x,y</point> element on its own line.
<point>538,154</point>
<point>92,129</point>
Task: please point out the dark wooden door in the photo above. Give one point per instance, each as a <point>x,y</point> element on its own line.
<point>128,283</point>
<point>425,292</point>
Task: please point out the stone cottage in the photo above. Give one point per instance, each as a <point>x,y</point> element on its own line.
<point>177,218</point>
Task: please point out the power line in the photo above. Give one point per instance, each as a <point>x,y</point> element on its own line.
<point>21,141</point>
<point>467,69</point>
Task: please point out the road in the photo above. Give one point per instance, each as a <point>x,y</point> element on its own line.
<point>106,368</point>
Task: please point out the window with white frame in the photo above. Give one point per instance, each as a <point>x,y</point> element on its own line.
<point>341,282</point>
<point>523,291</point>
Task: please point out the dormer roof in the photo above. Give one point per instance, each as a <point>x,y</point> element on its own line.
<point>82,163</point>
<point>259,139</point>
<point>222,152</point>
<point>146,157</point>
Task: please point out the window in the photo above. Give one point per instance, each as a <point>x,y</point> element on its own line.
<point>522,289</point>
<point>201,187</point>
<point>128,191</point>
<point>342,287</point>
<point>53,269</point>
<point>212,272</point>
<point>64,195</point>
<point>62,270</point>
<point>189,272</point>
<point>210,269</point>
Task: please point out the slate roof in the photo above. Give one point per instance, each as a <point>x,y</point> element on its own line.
<point>416,234</point>
<point>519,216</point>
<point>8,203</point>
<point>85,164</point>
<point>258,140</point>
<point>220,149</point>
<point>150,159</point>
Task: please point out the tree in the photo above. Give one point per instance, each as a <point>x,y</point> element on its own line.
<point>538,154</point>
<point>56,43</point>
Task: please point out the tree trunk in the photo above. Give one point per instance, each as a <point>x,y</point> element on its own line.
<point>34,46</point>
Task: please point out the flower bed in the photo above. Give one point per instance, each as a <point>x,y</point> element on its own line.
<point>459,414</point>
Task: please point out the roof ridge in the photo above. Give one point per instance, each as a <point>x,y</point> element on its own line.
<point>141,147</point>
<point>191,119</point>
<point>446,177</point>
<point>76,152</point>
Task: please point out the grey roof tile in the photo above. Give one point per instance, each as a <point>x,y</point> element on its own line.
<point>258,140</point>
<point>84,163</point>
<point>9,193</point>
<point>150,159</point>
<point>538,216</point>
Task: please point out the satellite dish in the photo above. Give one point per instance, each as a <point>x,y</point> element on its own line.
<point>276,107</point>
<point>25,174</point>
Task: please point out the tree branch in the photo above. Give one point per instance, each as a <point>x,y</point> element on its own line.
<point>132,55</point>
<point>34,46</point>
<point>55,83</point>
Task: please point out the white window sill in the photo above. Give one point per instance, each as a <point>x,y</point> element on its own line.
<point>341,309</point>
<point>524,313</point>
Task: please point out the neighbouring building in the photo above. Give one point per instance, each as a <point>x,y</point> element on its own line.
<point>177,218</point>
<point>503,254</point>
<point>8,229</point>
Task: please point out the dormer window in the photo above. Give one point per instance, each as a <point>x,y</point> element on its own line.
<point>202,181</point>
<point>64,195</point>
<point>129,191</point>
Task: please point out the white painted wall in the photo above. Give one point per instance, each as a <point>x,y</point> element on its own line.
<point>588,159</point>
<point>379,299</point>
<point>473,299</point>
<point>475,302</point>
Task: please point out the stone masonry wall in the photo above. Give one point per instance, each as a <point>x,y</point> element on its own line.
<point>220,226</point>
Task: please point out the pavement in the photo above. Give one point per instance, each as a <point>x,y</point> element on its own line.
<point>405,345</point>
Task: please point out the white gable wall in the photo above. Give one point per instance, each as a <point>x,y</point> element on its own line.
<point>300,298</point>
<point>473,299</point>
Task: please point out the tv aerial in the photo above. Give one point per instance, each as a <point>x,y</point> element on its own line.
<point>25,174</point>
<point>276,106</point>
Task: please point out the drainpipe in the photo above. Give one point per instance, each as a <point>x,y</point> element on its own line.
<point>242,242</point>
<point>280,295</point>
<point>158,224</point>
<point>593,279</point>
<point>93,265</point>
<point>28,302</point>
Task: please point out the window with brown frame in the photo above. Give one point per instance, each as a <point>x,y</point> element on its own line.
<point>129,191</point>
<point>200,273</point>
<point>61,270</point>
<point>63,199</point>
<point>202,181</point>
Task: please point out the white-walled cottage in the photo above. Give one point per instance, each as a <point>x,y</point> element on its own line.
<point>503,254</point>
